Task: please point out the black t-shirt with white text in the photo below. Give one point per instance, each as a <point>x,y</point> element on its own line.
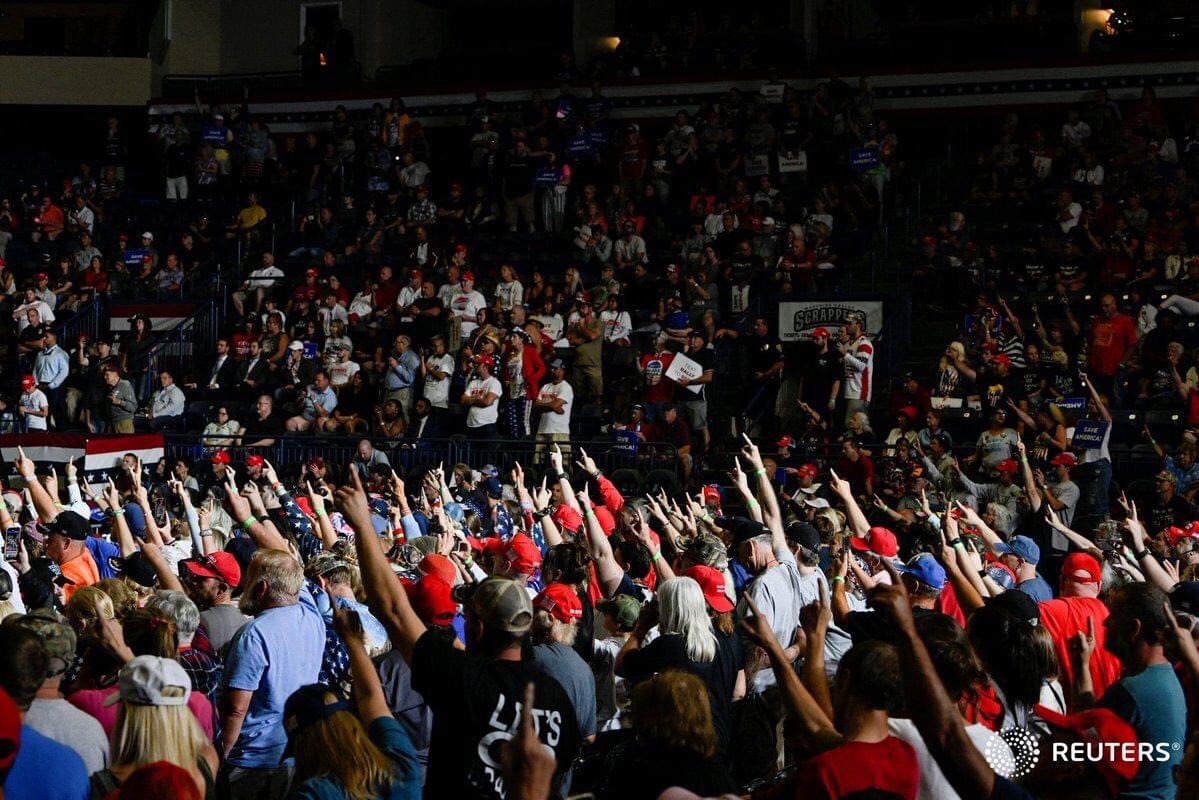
<point>476,705</point>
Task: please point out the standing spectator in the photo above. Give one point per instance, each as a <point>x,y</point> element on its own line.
<point>1110,340</point>
<point>210,581</point>
<point>519,168</point>
<point>51,368</point>
<point>33,405</point>
<point>271,657</point>
<point>696,404</point>
<point>482,398</point>
<point>585,333</point>
<point>857,354</point>
<point>554,402</point>
<point>437,368</point>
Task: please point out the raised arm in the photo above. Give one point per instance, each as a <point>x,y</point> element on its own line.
<point>606,568</point>
<point>1030,484</point>
<point>770,504</point>
<point>1103,412</point>
<point>853,514</point>
<point>386,598</point>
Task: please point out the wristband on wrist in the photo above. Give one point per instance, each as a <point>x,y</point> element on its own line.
<point>276,485</point>
<point>760,471</point>
<point>1139,554</point>
<point>117,512</point>
<point>281,491</point>
<point>468,561</point>
<point>838,579</point>
<point>248,523</point>
<point>320,512</point>
<point>542,514</point>
<point>656,557</point>
<point>72,480</point>
<point>588,513</point>
<point>205,533</point>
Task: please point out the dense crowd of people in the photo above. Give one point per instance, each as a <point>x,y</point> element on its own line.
<point>930,588</point>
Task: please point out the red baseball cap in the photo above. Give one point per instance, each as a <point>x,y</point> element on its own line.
<point>1174,535</point>
<point>10,730</point>
<point>787,441</point>
<point>305,504</point>
<point>567,518</point>
<point>1081,568</point>
<point>440,566</point>
<point>43,276</point>
<point>521,554</point>
<point>433,601</point>
<point>468,276</point>
<point>1007,465</point>
<point>459,248</point>
<point>878,540</point>
<point>1064,460</point>
<point>221,457</point>
<point>1002,359</point>
<point>821,333</point>
<point>561,602</point>
<point>312,272</point>
<point>416,273</point>
<point>316,462</point>
<point>809,471</point>
<point>28,382</point>
<point>712,495</point>
<point>220,565</point>
<point>1103,727</point>
<point>711,581</point>
<point>255,460</point>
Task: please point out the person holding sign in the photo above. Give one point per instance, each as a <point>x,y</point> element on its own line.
<point>1091,437</point>
<point>699,358</point>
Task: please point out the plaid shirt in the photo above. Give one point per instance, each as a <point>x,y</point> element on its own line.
<point>205,673</point>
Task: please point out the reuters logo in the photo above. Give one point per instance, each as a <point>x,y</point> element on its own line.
<point>1018,758</point>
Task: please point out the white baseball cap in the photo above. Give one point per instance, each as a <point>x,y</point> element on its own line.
<point>152,681</point>
<point>148,235</point>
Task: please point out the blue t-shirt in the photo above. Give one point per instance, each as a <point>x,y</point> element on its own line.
<point>1153,703</point>
<point>1037,588</point>
<point>135,518</point>
<point>272,655</point>
<point>46,770</point>
<point>101,551</point>
<point>390,737</point>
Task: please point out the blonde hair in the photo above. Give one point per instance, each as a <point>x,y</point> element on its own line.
<point>145,734</point>
<point>7,609</point>
<point>338,746</point>
<point>87,606</point>
<point>280,571</point>
<point>124,599</point>
<point>683,611</point>
<point>673,712</point>
<point>959,350</point>
<point>548,629</point>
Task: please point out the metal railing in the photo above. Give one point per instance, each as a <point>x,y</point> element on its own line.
<point>92,318</point>
<point>290,450</point>
<point>178,348</point>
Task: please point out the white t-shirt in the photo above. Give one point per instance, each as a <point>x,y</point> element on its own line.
<point>45,314</point>
<point>933,784</point>
<point>617,325</point>
<point>510,295</point>
<point>1068,224</point>
<point>552,325</point>
<point>35,399</point>
<point>340,373</point>
<point>859,367</point>
<point>552,422</point>
<point>467,304</point>
<point>265,277</point>
<point>478,416</point>
<point>437,392</point>
<point>612,698</point>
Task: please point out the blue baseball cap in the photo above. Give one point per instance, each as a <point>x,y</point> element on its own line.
<point>1022,548</point>
<point>925,569</point>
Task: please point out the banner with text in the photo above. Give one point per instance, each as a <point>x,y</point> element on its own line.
<point>797,320</point>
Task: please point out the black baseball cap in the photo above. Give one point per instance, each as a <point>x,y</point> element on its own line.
<point>742,528</point>
<point>804,535</point>
<point>71,525</point>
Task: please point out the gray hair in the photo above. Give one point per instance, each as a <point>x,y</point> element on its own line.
<point>180,608</point>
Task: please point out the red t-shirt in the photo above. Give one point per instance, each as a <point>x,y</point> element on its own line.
<point>886,767</point>
<point>1110,340</point>
<point>856,472</point>
<point>1192,407</point>
<point>1067,616</point>
<point>658,388</point>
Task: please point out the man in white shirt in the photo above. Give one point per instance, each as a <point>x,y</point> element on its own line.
<point>618,325</point>
<point>857,356</point>
<point>20,314</point>
<point>438,368</point>
<point>261,279</point>
<point>409,295</point>
<point>318,405</point>
<point>167,405</point>
<point>35,408</point>
<point>466,304</point>
<point>81,219</point>
<point>554,402</point>
<point>482,399</point>
<point>629,249</point>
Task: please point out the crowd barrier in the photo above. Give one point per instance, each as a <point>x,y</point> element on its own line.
<point>635,465</point>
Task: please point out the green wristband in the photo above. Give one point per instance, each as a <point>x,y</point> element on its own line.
<point>320,512</point>
<point>838,579</point>
<point>249,522</point>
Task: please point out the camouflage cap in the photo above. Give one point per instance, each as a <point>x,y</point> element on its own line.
<point>707,549</point>
<point>624,609</point>
<point>55,634</point>
<point>323,563</point>
<point>502,604</point>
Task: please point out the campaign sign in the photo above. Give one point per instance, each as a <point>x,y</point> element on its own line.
<point>863,159</point>
<point>1089,434</point>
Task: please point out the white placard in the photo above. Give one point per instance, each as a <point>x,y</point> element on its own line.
<point>798,320</point>
<point>683,367</point>
<point>793,162</point>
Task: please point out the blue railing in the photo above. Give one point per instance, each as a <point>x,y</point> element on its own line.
<point>92,318</point>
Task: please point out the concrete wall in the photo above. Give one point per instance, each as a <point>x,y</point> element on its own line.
<point>74,81</point>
